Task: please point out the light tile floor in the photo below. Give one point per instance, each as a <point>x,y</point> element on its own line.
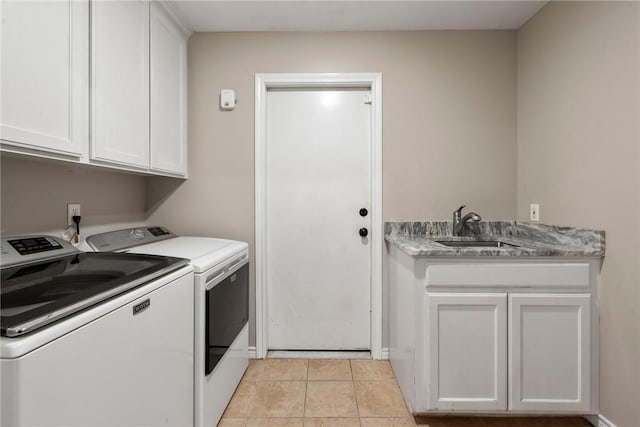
<point>341,393</point>
<point>317,393</point>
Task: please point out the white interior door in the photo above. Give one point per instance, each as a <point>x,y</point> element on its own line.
<point>318,178</point>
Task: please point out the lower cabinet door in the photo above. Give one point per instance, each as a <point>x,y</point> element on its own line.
<point>467,348</point>
<point>550,352</point>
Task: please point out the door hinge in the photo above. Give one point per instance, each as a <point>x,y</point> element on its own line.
<point>368,100</point>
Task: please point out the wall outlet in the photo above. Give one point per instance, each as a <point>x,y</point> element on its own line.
<point>72,209</point>
<point>534,212</point>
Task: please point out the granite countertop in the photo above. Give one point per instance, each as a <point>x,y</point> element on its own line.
<point>528,240</point>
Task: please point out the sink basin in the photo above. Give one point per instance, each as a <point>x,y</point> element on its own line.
<point>476,244</point>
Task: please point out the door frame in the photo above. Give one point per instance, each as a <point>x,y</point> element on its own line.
<point>372,81</point>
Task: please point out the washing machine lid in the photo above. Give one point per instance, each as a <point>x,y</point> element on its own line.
<point>36,294</point>
<point>204,252</point>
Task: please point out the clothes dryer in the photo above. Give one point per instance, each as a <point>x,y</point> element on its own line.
<point>221,304</point>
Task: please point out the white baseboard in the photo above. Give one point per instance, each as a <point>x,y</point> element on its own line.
<point>384,355</point>
<point>252,352</point>
<point>593,420</point>
<point>604,422</point>
<point>599,421</point>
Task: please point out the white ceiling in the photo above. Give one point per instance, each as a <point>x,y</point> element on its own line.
<point>353,15</point>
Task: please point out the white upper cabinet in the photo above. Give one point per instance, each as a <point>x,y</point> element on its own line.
<point>45,70</point>
<point>168,93</point>
<point>100,82</point>
<point>120,82</point>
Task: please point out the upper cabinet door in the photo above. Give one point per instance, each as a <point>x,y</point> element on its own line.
<point>550,352</point>
<point>168,94</point>
<point>45,76</point>
<point>120,82</point>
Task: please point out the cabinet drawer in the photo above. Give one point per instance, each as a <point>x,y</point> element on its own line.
<point>562,275</point>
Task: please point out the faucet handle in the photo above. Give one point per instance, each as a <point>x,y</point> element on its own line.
<point>459,210</point>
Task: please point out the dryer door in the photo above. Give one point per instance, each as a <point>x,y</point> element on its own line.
<point>227,311</point>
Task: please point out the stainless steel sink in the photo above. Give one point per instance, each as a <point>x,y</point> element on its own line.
<point>476,244</point>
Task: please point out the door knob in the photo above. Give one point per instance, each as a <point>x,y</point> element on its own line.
<point>363,232</point>
<point>364,212</point>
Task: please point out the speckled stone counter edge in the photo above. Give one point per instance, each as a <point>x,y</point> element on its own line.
<point>530,240</point>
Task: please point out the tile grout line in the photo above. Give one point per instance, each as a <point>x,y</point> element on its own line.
<point>304,402</point>
<point>355,395</point>
<point>252,401</point>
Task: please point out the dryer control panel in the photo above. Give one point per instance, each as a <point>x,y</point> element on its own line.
<point>126,238</point>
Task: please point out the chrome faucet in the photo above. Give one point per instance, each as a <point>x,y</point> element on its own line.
<point>459,221</point>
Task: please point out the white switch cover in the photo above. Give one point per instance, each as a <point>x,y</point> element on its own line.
<point>534,212</point>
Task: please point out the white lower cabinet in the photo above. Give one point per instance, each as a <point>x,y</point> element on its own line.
<point>548,347</point>
<point>468,351</point>
<point>496,336</point>
<point>549,352</point>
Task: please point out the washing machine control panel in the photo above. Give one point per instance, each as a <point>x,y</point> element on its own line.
<point>31,245</point>
<point>24,249</point>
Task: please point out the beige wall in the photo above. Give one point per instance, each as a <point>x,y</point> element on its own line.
<point>579,157</point>
<point>35,196</point>
<point>449,123</point>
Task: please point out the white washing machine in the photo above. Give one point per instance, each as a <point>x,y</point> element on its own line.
<point>93,339</point>
<point>221,307</point>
